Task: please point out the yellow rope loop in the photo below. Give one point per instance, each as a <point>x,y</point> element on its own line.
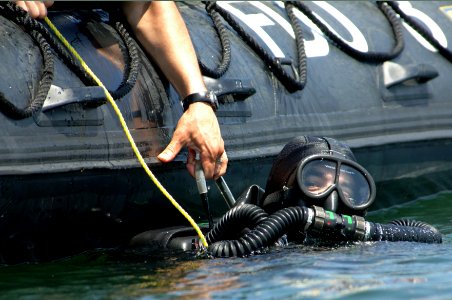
<point>127,132</point>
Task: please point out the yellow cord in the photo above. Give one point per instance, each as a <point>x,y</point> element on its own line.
<point>127,132</point>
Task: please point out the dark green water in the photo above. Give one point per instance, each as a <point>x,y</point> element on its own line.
<point>380,270</point>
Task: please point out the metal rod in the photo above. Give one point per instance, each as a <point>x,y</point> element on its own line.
<point>225,192</point>
<point>202,189</point>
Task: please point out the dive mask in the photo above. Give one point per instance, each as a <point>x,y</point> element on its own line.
<point>327,179</point>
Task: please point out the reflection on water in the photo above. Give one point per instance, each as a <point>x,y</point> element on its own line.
<point>367,270</point>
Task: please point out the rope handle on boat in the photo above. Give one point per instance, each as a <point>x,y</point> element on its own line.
<point>127,132</point>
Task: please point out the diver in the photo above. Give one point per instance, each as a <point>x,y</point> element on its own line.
<point>319,171</point>
<point>316,190</point>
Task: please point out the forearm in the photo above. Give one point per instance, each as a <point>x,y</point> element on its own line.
<point>161,30</point>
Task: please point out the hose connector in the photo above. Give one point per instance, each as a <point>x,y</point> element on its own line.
<point>351,227</point>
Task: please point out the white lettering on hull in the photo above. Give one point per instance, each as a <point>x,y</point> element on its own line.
<point>319,46</point>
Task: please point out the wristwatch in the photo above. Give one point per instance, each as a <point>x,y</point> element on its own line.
<point>208,97</point>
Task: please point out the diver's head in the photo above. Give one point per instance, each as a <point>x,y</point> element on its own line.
<point>322,172</point>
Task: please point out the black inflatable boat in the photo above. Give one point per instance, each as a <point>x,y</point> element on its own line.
<point>376,76</point>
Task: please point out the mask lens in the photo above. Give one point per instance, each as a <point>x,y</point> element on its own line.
<point>318,175</point>
<point>354,186</point>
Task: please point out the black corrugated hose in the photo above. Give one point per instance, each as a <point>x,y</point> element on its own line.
<point>265,231</point>
<point>235,220</point>
<point>405,230</point>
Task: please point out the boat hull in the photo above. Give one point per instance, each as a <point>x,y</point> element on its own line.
<point>69,177</point>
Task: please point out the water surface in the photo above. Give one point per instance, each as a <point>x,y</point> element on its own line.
<point>380,270</point>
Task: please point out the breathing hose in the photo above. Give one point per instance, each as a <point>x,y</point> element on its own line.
<point>235,220</point>
<point>264,234</point>
<point>395,233</point>
<point>315,219</point>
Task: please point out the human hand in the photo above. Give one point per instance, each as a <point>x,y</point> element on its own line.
<point>36,9</point>
<point>198,129</point>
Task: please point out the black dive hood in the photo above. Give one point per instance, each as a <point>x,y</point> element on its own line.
<point>283,188</point>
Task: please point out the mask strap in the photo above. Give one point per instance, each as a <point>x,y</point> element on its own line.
<point>340,146</point>
<point>283,197</point>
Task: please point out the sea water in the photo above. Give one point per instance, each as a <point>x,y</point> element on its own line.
<point>377,270</point>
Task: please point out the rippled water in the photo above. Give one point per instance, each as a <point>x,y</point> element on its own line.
<point>372,271</point>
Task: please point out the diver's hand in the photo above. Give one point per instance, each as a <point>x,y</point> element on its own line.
<point>36,9</point>
<point>198,129</point>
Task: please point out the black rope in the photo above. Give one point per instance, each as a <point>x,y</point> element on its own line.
<point>372,57</point>
<point>45,41</point>
<point>223,66</point>
<point>446,53</point>
<point>43,88</point>
<point>132,63</point>
<point>21,17</point>
<point>291,83</point>
<point>44,84</point>
<point>302,62</point>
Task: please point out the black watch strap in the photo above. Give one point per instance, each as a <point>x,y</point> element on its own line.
<point>206,97</point>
